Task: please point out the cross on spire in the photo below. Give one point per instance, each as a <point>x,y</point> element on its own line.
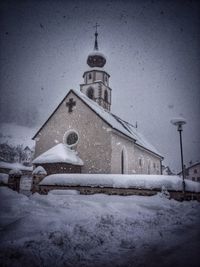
<point>96,34</point>
<point>96,26</point>
<point>70,104</point>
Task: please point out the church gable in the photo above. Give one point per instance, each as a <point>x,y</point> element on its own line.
<point>70,103</point>
<point>94,138</point>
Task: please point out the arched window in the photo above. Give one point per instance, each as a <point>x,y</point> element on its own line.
<point>106,96</point>
<point>148,167</point>
<point>90,93</point>
<point>122,162</point>
<point>90,76</point>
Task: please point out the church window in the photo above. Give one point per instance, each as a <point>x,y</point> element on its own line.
<point>106,96</point>
<point>148,167</point>
<point>140,162</point>
<point>90,76</point>
<point>71,138</point>
<point>122,162</point>
<point>90,93</point>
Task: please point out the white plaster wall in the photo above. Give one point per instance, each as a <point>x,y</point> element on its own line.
<point>150,163</point>
<point>96,75</point>
<point>192,174</point>
<point>118,144</point>
<point>108,90</point>
<point>134,153</point>
<point>99,76</point>
<point>99,89</point>
<point>94,147</point>
<point>95,86</point>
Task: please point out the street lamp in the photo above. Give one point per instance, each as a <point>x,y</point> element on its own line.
<point>179,122</point>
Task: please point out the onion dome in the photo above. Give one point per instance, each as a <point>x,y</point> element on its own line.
<point>96,58</point>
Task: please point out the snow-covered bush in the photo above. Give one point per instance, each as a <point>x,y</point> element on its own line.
<point>3,178</point>
<point>15,172</point>
<point>164,193</point>
<point>39,171</point>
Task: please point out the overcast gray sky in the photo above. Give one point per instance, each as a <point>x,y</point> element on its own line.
<point>153,57</point>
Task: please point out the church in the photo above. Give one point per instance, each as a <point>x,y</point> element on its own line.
<point>83,135</point>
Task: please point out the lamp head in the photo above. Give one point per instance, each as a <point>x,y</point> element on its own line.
<point>178,122</point>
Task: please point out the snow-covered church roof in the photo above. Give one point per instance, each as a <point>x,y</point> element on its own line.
<point>59,154</point>
<point>118,124</point>
<point>113,121</point>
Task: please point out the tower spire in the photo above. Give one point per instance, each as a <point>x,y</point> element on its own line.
<point>96,59</point>
<point>96,41</point>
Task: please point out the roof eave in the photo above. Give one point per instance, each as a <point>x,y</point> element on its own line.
<point>96,70</point>
<point>159,156</point>
<point>57,162</point>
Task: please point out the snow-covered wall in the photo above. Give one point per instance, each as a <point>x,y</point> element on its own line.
<point>160,182</point>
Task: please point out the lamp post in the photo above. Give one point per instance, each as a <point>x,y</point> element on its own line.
<point>179,122</point>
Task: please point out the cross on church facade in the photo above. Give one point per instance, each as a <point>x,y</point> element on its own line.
<point>70,105</point>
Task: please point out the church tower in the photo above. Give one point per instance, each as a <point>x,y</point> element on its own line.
<point>96,79</point>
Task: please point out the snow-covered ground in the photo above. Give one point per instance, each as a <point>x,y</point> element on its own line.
<point>68,229</point>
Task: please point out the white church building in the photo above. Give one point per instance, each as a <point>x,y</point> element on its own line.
<point>85,126</point>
